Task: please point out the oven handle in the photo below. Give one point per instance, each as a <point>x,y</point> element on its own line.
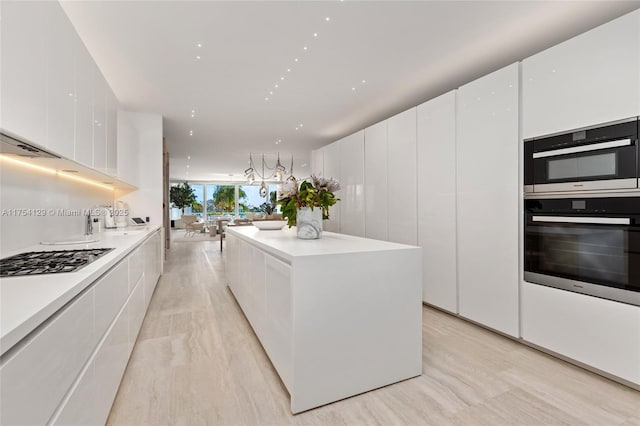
<point>583,148</point>
<point>580,219</point>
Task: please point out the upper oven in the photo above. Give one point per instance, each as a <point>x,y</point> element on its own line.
<point>585,245</point>
<point>597,158</point>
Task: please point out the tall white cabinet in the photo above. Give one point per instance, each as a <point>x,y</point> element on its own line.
<point>401,178</point>
<point>351,203</point>
<point>436,171</point>
<point>331,168</point>
<point>488,199</point>
<point>376,212</point>
<point>590,79</point>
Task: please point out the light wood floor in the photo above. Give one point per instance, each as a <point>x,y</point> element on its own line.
<point>197,362</point>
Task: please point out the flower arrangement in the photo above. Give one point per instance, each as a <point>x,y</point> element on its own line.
<point>317,193</point>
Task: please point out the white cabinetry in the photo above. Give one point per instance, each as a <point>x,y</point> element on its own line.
<point>68,371</point>
<point>372,336</point>
<point>99,103</point>
<point>331,169</point>
<point>127,149</point>
<point>401,178</point>
<point>36,377</point>
<point>112,133</point>
<point>60,84</point>
<point>437,200</point>
<point>24,69</point>
<point>594,331</point>
<point>592,78</point>
<point>84,69</point>
<point>376,214</point>
<point>488,200</point>
<point>352,200</point>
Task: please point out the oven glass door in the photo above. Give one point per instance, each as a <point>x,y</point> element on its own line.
<point>602,251</point>
<point>589,246</point>
<point>582,164</point>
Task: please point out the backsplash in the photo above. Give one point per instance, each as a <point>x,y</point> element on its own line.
<point>36,206</point>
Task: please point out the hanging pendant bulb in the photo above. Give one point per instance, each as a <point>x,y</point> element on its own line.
<point>263,190</point>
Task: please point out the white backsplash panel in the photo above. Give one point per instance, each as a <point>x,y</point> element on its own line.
<point>36,206</point>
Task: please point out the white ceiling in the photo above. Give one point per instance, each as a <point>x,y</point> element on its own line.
<point>407,52</point>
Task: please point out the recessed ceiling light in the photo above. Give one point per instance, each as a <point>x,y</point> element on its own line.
<point>300,125</point>
<point>327,19</point>
<point>266,99</point>
<point>275,85</point>
<point>281,78</point>
<point>288,69</point>
<point>188,157</point>
<point>353,88</point>
<point>364,81</point>
<point>70,94</point>
<point>193,111</point>
<point>277,142</point>
<point>271,93</point>
<point>315,34</point>
<point>296,128</point>
<point>199,44</point>
<point>187,166</point>
<point>198,57</point>
<point>193,116</point>
<point>190,132</point>
<point>295,60</point>
<point>304,48</point>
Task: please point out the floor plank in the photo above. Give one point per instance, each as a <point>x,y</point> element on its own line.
<point>197,362</point>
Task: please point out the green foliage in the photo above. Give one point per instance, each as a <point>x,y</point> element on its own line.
<point>182,196</point>
<point>269,207</point>
<point>224,197</point>
<point>318,193</point>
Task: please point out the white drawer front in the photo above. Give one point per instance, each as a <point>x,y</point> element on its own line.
<point>34,380</point>
<point>111,292</point>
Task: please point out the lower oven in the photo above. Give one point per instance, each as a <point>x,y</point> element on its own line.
<point>585,245</point>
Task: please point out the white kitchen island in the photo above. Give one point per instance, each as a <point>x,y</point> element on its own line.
<point>337,316</point>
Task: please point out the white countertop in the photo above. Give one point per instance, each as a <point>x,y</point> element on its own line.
<point>285,245</point>
<point>27,301</point>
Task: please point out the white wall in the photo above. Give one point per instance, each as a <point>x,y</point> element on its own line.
<point>147,200</point>
<point>23,188</point>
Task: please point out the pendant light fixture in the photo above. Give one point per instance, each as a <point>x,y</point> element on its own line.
<point>278,173</point>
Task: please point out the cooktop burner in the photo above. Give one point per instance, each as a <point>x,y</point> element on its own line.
<point>48,262</point>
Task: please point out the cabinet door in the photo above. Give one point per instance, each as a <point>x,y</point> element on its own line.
<point>136,310</point>
<point>590,79</point>
<point>60,82</point>
<point>111,292</point>
<point>79,407</point>
<point>112,357</point>
<point>376,214</point>
<point>437,200</point>
<point>332,170</point>
<point>38,375</point>
<point>278,340</point>
<point>83,76</point>
<point>112,133</point>
<point>24,69</point>
<point>352,184</point>
<point>488,200</point>
<point>99,120</point>
<point>401,178</point>
<point>597,332</point>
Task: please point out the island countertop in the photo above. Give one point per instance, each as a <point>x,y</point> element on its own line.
<point>285,245</point>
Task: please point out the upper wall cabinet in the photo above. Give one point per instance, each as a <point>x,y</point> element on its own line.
<point>590,79</point>
<point>112,133</point>
<point>376,212</point>
<point>401,178</point>
<point>60,84</point>
<point>488,200</point>
<point>437,200</point>
<point>99,121</point>
<point>24,40</point>
<point>331,169</point>
<point>84,70</point>
<point>352,184</point>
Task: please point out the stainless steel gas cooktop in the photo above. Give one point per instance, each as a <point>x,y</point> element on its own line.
<point>48,262</point>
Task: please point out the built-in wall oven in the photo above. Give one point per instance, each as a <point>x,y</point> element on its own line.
<point>585,245</point>
<point>602,157</point>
